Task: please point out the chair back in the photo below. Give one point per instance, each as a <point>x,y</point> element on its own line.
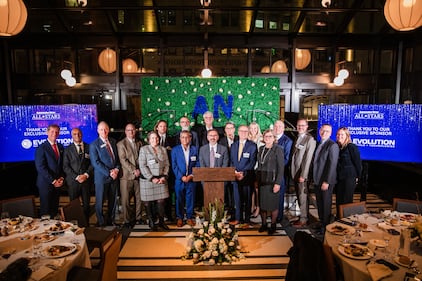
<point>356,208</point>
<point>407,205</point>
<point>74,211</point>
<point>24,205</point>
<point>111,256</point>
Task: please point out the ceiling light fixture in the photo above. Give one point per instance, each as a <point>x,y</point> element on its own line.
<point>403,15</point>
<point>107,60</point>
<point>13,16</point>
<point>326,3</point>
<point>302,58</point>
<point>206,72</point>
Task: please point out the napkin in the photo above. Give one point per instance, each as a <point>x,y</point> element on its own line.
<point>41,272</point>
<point>378,271</point>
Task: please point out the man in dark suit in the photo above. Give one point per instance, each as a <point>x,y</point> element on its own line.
<point>79,171</point>
<point>286,144</point>
<point>325,173</point>
<point>106,163</point>
<point>243,158</point>
<point>208,125</point>
<point>184,157</point>
<point>50,175</point>
<point>185,126</point>
<point>211,155</point>
<point>228,139</point>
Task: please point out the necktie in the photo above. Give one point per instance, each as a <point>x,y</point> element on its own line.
<point>163,140</point>
<point>239,154</point>
<point>79,146</point>
<point>56,151</point>
<point>212,157</point>
<point>109,150</point>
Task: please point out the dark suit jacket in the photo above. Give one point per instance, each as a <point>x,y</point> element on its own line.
<point>221,158</point>
<point>286,143</point>
<point>224,141</point>
<point>202,134</point>
<point>194,141</point>
<point>75,164</point>
<point>325,163</point>
<point>247,159</point>
<point>48,167</point>
<point>349,163</point>
<point>178,163</point>
<point>101,160</point>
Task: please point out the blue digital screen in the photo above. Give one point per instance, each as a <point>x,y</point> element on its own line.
<point>383,132</point>
<point>24,127</point>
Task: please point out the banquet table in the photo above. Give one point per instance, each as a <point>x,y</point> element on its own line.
<point>356,269</point>
<point>20,243</point>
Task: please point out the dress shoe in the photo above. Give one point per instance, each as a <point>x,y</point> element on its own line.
<point>272,229</point>
<point>139,222</point>
<point>235,222</point>
<point>163,226</point>
<point>299,223</point>
<point>191,222</point>
<point>263,228</point>
<point>179,223</point>
<point>127,225</point>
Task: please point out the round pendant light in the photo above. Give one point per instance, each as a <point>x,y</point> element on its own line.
<point>13,15</point>
<point>403,15</point>
<point>279,67</point>
<point>265,69</point>
<point>130,66</point>
<point>107,60</point>
<point>302,58</point>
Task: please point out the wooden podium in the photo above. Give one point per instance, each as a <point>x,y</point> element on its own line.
<point>213,179</point>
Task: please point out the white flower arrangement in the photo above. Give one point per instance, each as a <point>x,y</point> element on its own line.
<point>215,241</point>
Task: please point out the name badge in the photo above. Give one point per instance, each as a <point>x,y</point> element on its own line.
<point>300,146</point>
<point>246,155</point>
<point>217,155</point>
<point>103,145</point>
<point>86,155</point>
<point>152,161</point>
<point>193,158</point>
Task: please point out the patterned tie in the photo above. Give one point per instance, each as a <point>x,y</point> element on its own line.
<point>79,146</point>
<point>212,157</point>
<point>56,151</point>
<point>109,150</point>
<point>239,153</point>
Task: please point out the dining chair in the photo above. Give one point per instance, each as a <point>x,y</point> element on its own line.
<point>23,205</point>
<point>97,238</point>
<point>108,269</point>
<point>407,205</point>
<point>355,208</point>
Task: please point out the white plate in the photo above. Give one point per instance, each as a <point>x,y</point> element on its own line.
<point>340,229</point>
<point>59,250</point>
<point>367,253</point>
<point>408,217</point>
<point>378,243</point>
<point>44,238</point>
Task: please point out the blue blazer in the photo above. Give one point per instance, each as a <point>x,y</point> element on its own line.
<point>178,163</point>
<point>247,159</point>
<point>101,160</point>
<point>48,167</point>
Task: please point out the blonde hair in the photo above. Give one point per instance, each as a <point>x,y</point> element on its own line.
<point>258,136</point>
<point>348,138</point>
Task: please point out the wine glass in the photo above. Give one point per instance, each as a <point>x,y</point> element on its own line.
<point>5,217</point>
<point>387,238</point>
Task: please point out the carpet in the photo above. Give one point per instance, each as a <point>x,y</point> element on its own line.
<point>157,256</point>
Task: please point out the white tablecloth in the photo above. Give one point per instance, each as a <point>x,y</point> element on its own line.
<point>23,248</point>
<point>354,270</point>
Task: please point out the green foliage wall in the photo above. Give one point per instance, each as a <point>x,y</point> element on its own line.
<point>169,98</point>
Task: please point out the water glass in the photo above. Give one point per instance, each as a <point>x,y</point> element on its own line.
<point>4,217</point>
<point>74,226</point>
<point>45,219</point>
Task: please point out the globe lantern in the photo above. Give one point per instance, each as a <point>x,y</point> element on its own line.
<point>403,15</point>
<point>13,15</point>
<point>107,60</point>
<point>302,58</point>
<point>130,66</point>
<point>279,67</point>
<point>265,69</point>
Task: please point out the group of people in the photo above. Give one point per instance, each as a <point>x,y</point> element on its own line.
<point>158,175</point>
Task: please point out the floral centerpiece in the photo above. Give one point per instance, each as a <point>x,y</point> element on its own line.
<point>214,241</point>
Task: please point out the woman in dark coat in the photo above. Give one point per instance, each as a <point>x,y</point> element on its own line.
<point>349,168</point>
<point>270,172</point>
